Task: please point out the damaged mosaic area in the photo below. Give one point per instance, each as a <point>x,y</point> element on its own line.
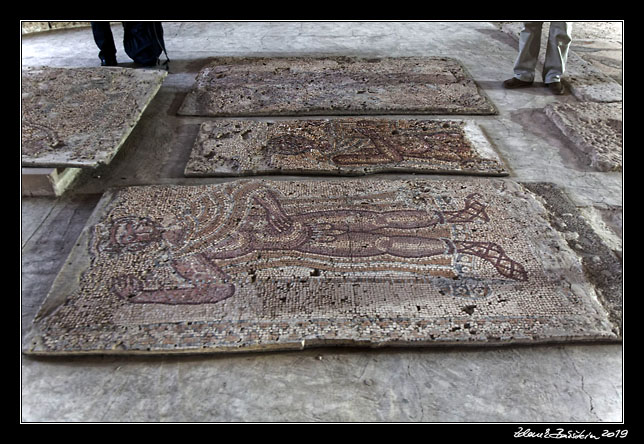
<point>261,265</point>
<point>79,117</point>
<point>230,86</point>
<point>595,130</point>
<point>349,146</point>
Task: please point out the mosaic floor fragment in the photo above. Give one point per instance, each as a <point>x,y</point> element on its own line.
<point>344,146</point>
<point>595,130</point>
<point>79,117</point>
<point>602,264</point>
<point>230,86</point>
<point>263,265</point>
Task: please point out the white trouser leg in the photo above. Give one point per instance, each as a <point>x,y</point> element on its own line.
<point>529,44</point>
<point>559,39</point>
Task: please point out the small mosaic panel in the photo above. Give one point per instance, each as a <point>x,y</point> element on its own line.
<point>79,117</point>
<point>258,265</point>
<point>594,129</point>
<point>259,86</point>
<point>345,146</point>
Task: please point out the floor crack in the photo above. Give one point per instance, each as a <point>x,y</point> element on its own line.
<point>40,224</point>
<point>418,394</point>
<point>583,386</point>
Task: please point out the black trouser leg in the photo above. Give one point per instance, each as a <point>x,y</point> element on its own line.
<point>105,42</point>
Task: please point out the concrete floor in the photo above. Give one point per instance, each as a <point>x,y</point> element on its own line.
<point>546,383</point>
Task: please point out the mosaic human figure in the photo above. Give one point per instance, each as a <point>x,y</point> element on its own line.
<point>252,219</point>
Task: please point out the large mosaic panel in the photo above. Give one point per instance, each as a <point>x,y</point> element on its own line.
<point>230,86</point>
<point>344,146</point>
<point>260,265</point>
<point>80,117</point>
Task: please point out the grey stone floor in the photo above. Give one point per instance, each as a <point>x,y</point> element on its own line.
<point>546,383</point>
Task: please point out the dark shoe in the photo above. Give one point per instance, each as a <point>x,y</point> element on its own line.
<point>556,88</point>
<point>516,83</point>
<point>108,62</point>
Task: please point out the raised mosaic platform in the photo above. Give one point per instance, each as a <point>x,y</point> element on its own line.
<point>260,86</point>
<point>594,129</point>
<point>80,117</point>
<point>264,265</point>
<point>343,146</point>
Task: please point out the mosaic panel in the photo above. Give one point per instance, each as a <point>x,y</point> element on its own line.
<point>595,130</point>
<point>341,146</point>
<point>259,265</point>
<point>231,86</point>
<point>79,117</point>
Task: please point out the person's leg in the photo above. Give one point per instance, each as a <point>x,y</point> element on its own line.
<point>142,42</point>
<point>557,51</point>
<point>105,42</point>
<point>529,44</point>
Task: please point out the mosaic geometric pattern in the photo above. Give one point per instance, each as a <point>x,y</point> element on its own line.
<point>257,265</point>
<point>79,117</point>
<point>595,130</point>
<point>341,146</point>
<point>259,86</point>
